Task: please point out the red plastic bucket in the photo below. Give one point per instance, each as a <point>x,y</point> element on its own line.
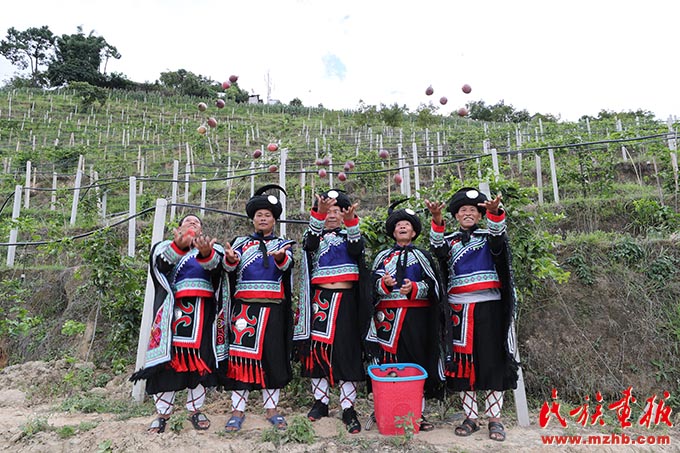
<point>397,396</point>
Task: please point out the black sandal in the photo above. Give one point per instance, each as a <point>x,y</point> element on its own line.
<point>197,418</point>
<point>425,425</point>
<point>158,424</point>
<point>496,431</point>
<point>466,428</point>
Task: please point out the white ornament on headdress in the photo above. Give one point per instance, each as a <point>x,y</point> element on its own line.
<point>472,194</point>
<point>272,199</point>
<point>410,211</point>
<point>333,194</point>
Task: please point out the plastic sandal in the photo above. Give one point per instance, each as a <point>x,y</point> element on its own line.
<point>158,424</point>
<point>425,425</point>
<point>278,421</point>
<point>234,424</point>
<point>466,428</point>
<point>198,420</point>
<point>496,431</point>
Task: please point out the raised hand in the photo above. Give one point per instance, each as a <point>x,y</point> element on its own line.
<point>492,206</point>
<point>324,203</point>
<point>280,254</point>
<point>229,254</point>
<point>204,244</point>
<point>435,209</point>
<point>349,213</point>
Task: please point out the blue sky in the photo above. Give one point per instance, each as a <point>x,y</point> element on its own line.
<point>564,58</point>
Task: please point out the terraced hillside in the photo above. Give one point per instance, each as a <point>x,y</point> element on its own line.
<point>594,235</point>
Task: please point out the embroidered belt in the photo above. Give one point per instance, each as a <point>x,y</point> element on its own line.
<point>403,303</point>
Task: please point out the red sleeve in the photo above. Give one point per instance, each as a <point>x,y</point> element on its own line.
<point>438,228</point>
<point>496,217</point>
<point>353,222</point>
<point>208,258</point>
<point>317,215</point>
<point>178,250</point>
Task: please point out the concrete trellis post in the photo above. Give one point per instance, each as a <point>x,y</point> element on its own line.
<point>132,213</point>
<point>674,162</point>
<point>142,170</point>
<point>330,170</point>
<point>204,187</point>
<point>187,175</point>
<point>14,232</point>
<point>95,180</point>
<point>175,187</point>
<point>518,143</point>
<point>252,178</point>
<point>619,128</point>
<point>282,182</point>
<point>53,197</point>
<point>553,175</point>
<point>402,171</point>
<point>522,409</point>
<point>485,189</point>
<point>76,196</point>
<point>494,162</point>
<point>416,169</point>
<point>303,176</point>
<point>147,313</point>
<point>27,186</point>
<point>539,179</point>
<point>104,197</point>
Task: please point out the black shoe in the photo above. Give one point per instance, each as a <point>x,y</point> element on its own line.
<point>318,410</point>
<point>349,417</point>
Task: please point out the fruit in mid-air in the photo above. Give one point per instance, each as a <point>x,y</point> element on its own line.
<point>202,129</point>
<point>342,176</point>
<point>466,88</point>
<point>226,85</point>
<point>272,147</point>
<point>219,103</point>
<point>383,154</point>
<point>273,168</point>
<point>322,173</point>
<point>212,122</point>
<point>233,78</point>
<point>326,161</point>
<point>397,178</point>
<point>350,164</point>
<point>443,100</point>
<point>429,90</point>
<point>462,111</point>
<point>257,153</point>
<point>202,106</point>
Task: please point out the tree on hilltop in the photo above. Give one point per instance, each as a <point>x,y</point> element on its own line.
<point>32,48</point>
<point>394,115</point>
<point>78,58</point>
<point>187,83</point>
<point>499,112</point>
